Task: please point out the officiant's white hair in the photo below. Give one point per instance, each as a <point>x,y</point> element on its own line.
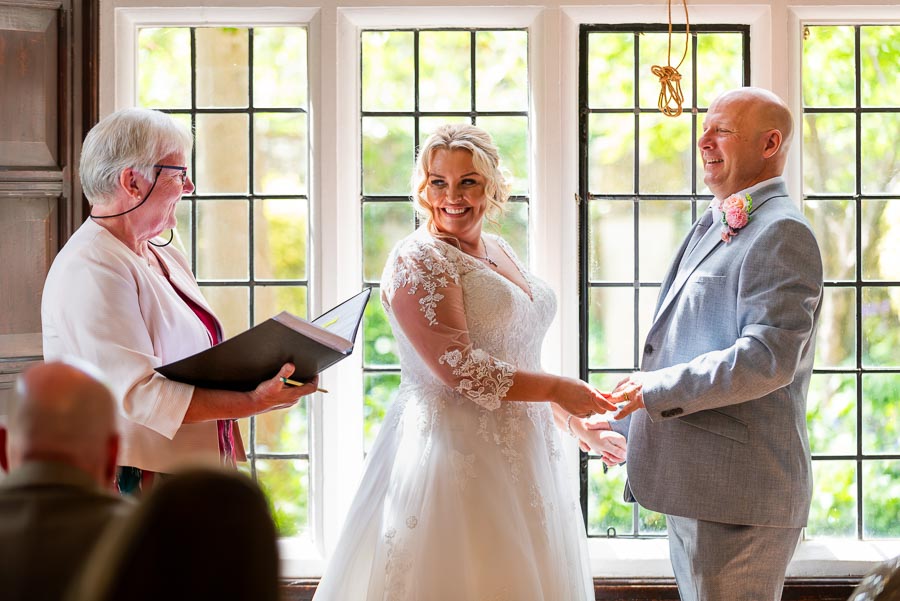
<point>485,157</point>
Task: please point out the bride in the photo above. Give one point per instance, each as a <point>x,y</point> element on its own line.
<point>465,494</point>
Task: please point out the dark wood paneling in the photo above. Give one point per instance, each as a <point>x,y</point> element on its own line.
<point>41,56</point>
<point>29,70</point>
<point>646,589</point>
<point>28,243</point>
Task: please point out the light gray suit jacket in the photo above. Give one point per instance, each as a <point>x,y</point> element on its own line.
<point>727,364</point>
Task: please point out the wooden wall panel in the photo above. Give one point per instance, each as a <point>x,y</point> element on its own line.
<point>28,241</point>
<point>29,69</point>
<point>41,57</point>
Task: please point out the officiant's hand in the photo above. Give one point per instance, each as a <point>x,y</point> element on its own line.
<point>581,399</point>
<point>277,394</point>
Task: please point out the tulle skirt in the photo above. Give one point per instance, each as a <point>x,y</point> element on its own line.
<point>460,503</point>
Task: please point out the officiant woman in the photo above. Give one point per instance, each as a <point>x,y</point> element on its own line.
<point>118,295</point>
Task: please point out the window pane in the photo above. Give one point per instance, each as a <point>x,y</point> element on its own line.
<point>222,67</point>
<point>611,154</point>
<point>284,431</point>
<point>445,71</point>
<point>384,224</point>
<point>721,57</point>
<point>828,67</point>
<point>610,240</point>
<point>501,66</point>
<point>834,223</point>
<point>647,299</point>
<point>164,74</point>
<point>218,236</point>
<point>428,125</point>
<point>231,304</point>
<point>836,334</point>
<point>605,507</point>
<point>654,50</point>
<point>510,134</point>
<point>663,224</point>
<point>833,511</point>
<point>611,70</point>
<point>881,499</point>
<point>269,301</point>
<point>611,327</point>
<point>223,240</point>
<point>513,227</point>
<point>880,159</point>
<point>665,154</point>
<point>280,234</point>
<point>881,326</point>
<point>878,61</point>
<point>279,153</point>
<point>379,346</point>
<point>279,67</point>
<point>831,414</point>
<point>828,141</point>
<point>605,381</point>
<point>387,71</point>
<point>286,484</point>
<point>380,392</point>
<point>651,522</point>
<point>388,155</point>
<point>881,239</point>
<point>881,413</point>
<point>222,154</point>
<point>182,240</point>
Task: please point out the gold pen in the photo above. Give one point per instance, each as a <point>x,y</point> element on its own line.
<point>290,382</point>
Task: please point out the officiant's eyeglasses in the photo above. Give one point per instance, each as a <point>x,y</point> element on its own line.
<point>180,168</point>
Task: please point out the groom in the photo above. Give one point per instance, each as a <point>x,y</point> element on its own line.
<point>717,438</point>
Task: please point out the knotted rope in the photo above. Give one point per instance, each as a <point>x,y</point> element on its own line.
<point>670,97</point>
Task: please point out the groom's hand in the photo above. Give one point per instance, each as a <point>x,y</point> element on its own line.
<point>629,396</point>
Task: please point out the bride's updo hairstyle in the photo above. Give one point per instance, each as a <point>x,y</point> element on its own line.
<point>485,157</point>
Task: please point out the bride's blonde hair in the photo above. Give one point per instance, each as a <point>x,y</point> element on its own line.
<point>485,158</point>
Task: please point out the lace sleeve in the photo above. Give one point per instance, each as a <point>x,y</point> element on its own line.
<point>423,291</point>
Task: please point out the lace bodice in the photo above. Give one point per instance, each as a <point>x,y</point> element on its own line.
<point>463,496</point>
<point>458,323</point>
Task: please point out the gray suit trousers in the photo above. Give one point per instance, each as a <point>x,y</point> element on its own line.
<point>728,562</point>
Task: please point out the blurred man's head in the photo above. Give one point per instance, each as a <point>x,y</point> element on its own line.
<point>746,136</point>
<point>62,412</point>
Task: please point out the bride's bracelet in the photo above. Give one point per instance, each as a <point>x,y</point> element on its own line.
<point>569,427</point>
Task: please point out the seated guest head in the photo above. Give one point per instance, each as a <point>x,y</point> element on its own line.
<point>202,533</point>
<point>63,413</point>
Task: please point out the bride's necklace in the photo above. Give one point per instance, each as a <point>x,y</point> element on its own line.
<point>486,257</point>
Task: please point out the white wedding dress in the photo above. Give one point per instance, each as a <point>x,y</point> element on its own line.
<point>463,497</point>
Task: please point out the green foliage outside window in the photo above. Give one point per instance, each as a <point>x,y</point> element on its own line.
<point>829,171</point>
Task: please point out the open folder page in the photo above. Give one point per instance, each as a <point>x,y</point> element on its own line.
<point>245,360</point>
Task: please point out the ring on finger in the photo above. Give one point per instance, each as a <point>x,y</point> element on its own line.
<point>625,396</point>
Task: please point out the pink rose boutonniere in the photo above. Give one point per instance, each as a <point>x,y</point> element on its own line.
<point>735,214</point>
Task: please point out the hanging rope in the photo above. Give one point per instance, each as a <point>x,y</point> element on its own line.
<point>670,97</point>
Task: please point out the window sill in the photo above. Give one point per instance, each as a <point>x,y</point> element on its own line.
<point>649,558</point>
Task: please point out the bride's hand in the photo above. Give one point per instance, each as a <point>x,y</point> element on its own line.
<point>609,445</point>
<point>581,399</point>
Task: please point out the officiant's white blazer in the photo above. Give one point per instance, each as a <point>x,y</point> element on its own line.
<point>727,364</point>
<point>104,304</point>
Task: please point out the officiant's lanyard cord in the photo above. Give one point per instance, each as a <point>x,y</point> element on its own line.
<point>149,192</point>
<point>671,98</point>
